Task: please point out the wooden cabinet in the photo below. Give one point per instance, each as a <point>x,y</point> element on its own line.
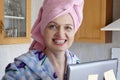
<point>97,14</point>
<point>15,21</point>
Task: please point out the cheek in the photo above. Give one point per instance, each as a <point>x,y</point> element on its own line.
<point>71,37</point>
<point>48,35</point>
<point>71,40</point>
<point>71,34</point>
<point>45,35</point>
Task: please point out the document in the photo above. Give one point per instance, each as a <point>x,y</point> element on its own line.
<point>93,77</point>
<point>109,75</point>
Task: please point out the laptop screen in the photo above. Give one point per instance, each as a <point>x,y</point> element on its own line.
<point>83,70</point>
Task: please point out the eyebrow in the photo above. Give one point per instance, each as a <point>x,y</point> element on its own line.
<point>52,22</point>
<point>58,24</point>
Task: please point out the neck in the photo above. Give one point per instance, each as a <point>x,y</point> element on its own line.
<point>58,61</point>
<point>57,58</point>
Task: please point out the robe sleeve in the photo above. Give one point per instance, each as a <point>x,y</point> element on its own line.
<point>11,72</point>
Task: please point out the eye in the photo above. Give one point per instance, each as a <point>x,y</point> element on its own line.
<point>69,28</point>
<point>52,26</point>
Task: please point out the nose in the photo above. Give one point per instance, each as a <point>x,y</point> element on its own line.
<point>60,32</point>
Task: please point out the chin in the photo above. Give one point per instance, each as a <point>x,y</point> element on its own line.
<point>61,49</point>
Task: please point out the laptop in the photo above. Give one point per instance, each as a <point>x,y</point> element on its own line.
<point>83,70</point>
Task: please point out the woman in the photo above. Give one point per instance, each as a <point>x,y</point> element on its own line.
<point>53,34</point>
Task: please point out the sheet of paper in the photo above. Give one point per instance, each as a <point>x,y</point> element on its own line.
<point>93,77</point>
<point>109,75</point>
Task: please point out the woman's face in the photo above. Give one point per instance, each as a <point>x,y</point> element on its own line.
<point>59,33</point>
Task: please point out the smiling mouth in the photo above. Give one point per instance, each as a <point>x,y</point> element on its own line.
<point>59,41</point>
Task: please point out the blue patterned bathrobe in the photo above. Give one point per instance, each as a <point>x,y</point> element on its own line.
<point>35,65</point>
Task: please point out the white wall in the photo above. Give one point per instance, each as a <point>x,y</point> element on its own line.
<point>9,52</point>
<point>35,9</point>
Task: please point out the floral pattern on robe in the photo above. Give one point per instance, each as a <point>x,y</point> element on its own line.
<point>35,65</point>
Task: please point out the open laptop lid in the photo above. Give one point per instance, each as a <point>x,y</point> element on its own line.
<point>81,71</point>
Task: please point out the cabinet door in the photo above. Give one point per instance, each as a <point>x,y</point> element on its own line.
<point>15,17</point>
<point>97,14</point>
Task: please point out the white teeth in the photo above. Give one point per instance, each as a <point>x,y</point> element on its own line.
<point>59,41</point>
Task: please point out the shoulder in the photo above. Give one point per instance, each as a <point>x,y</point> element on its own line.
<point>26,63</point>
<point>30,59</point>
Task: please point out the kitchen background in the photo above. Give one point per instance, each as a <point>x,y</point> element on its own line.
<point>85,51</point>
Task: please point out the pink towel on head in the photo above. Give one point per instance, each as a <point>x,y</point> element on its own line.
<point>49,11</point>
